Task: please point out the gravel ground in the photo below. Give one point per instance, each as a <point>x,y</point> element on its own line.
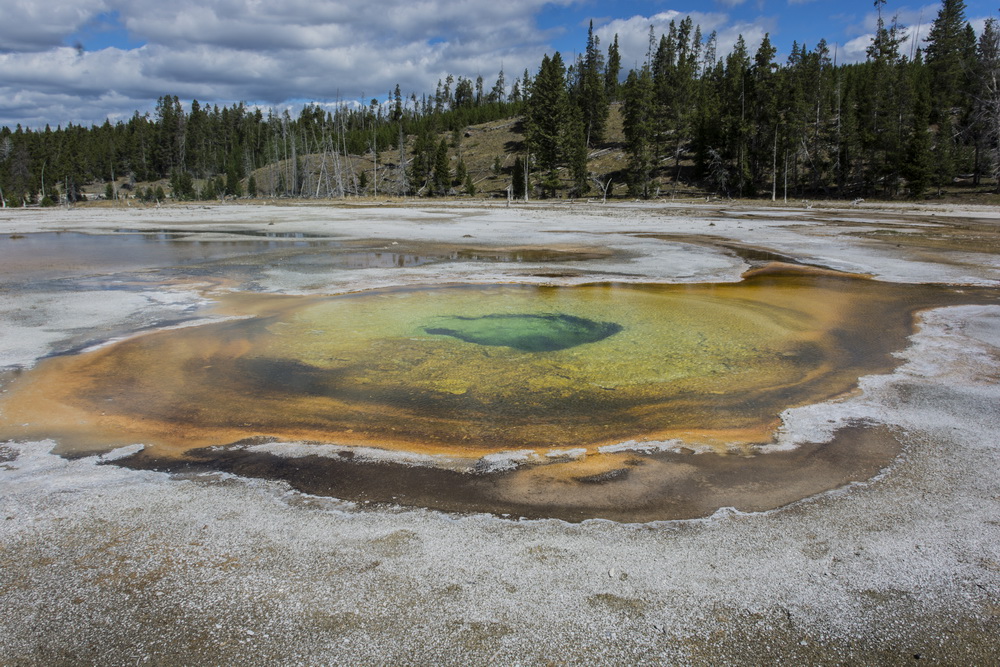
<point>105,565</point>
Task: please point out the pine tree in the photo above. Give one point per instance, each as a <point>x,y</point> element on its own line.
<point>196,140</point>
<point>612,71</point>
<point>182,185</point>
<point>764,118</point>
<point>592,100</point>
<point>577,154</point>
<point>442,169</point>
<point>946,56</point>
<point>517,178</point>
<point>986,93</point>
<point>499,91</point>
<point>663,65</point>
<point>233,186</point>
<point>944,155</point>
<point>422,165</point>
<point>169,135</point>
<point>464,96</point>
<point>209,190</point>
<point>917,170</point>
<point>681,103</point>
<point>882,126</point>
<point>548,114</point>
<point>638,125</point>
<point>515,92</point>
<point>735,115</point>
<point>705,119</point>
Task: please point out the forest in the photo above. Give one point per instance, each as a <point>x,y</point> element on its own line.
<point>904,123</point>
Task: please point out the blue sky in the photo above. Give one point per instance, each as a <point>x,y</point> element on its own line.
<point>82,61</point>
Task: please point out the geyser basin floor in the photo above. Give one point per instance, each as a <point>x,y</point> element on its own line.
<point>463,374</point>
<point>106,565</point>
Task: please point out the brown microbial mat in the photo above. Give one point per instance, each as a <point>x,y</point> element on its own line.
<point>510,399</point>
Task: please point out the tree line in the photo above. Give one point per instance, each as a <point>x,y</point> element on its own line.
<point>898,124</point>
<point>235,150</point>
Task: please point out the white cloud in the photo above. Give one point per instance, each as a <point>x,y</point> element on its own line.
<point>229,50</point>
<point>29,25</point>
<point>854,50</point>
<point>915,25</point>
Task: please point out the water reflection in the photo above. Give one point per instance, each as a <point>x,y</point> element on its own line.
<point>47,256</point>
<point>52,255</point>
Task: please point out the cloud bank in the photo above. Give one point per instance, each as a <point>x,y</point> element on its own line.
<point>231,50</point>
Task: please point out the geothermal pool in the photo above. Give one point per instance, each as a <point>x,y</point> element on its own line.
<point>614,400</point>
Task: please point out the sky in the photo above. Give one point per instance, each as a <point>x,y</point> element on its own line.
<point>84,61</point>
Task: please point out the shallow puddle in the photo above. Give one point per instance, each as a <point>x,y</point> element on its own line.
<point>460,374</point>
<point>51,255</point>
<point>131,256</point>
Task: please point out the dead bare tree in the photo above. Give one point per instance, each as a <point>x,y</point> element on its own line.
<point>603,186</point>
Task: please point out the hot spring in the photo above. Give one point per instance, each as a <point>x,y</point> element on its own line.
<point>624,401</point>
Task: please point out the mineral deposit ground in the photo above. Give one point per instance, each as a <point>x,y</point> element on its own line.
<point>546,433</point>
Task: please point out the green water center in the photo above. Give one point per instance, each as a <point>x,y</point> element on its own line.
<point>524,332</point>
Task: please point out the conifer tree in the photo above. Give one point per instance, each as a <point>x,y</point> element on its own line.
<point>946,55</point>
<point>680,104</point>
<point>638,124</point>
<point>233,186</point>
<point>944,155</point>
<point>517,178</point>
<point>196,140</point>
<point>422,165</point>
<point>881,118</point>
<point>764,117</point>
<point>548,116</point>
<point>734,116</point>
<point>577,153</point>
<point>593,101</point>
<point>917,169</point>
<point>663,63</point>
<point>499,91</point>
<point>515,92</point>
<point>986,93</point>
<point>442,169</point>
<point>612,71</point>
<point>706,129</point>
